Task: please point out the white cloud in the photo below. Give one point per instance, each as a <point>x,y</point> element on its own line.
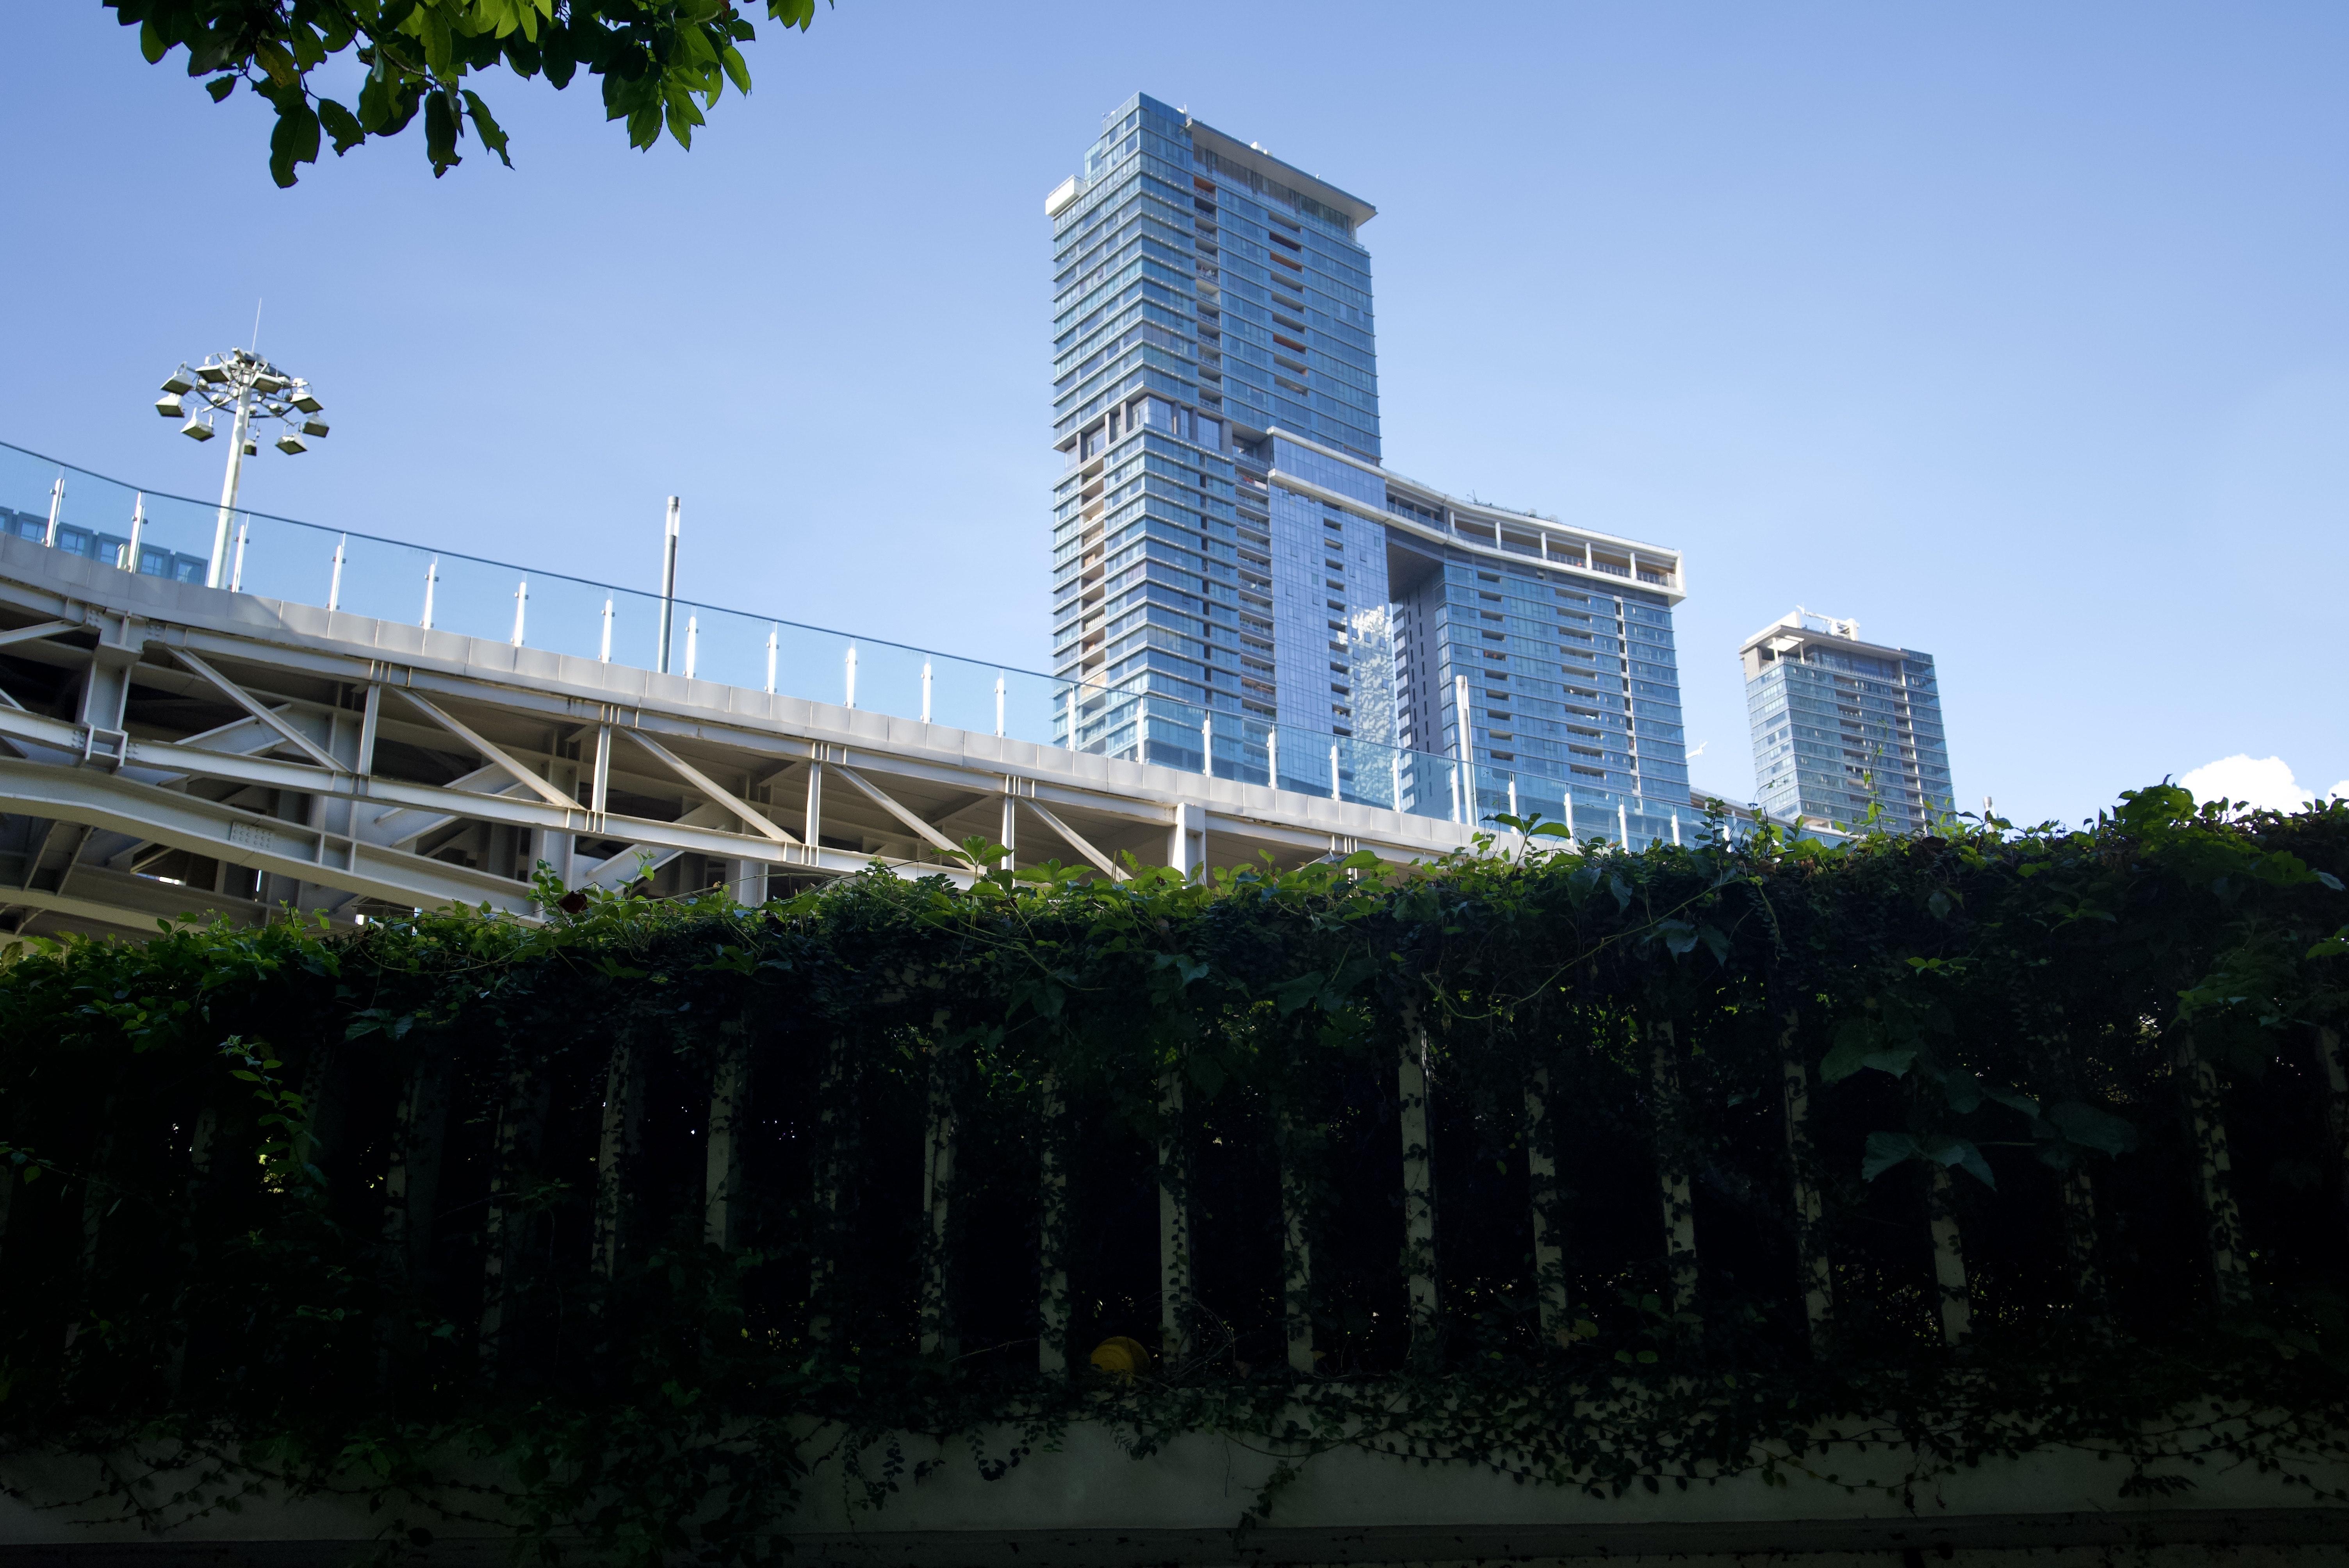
<point>2261,781</point>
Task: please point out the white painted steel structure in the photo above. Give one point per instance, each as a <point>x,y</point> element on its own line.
<point>169,749</point>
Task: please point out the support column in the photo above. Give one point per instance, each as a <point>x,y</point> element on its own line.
<point>411,1186</point>
<point>2080,1237</point>
<point>729,1103</point>
<point>832,1128</point>
<point>1174,1221</point>
<point>1549,1231</point>
<point>1812,1270</point>
<point>1296,1256</point>
<point>937,1191</point>
<point>813,832</point>
<point>615,1153</point>
<point>2337,1081</point>
<point>1671,1164</point>
<point>1053,1230</point>
<point>2230,1276</point>
<point>521,1128</point>
<point>1186,849</point>
<point>1010,838</point>
<point>1418,1183</point>
<point>1949,1261</point>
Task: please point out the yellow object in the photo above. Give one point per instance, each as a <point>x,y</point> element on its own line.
<point>1122,1358</point>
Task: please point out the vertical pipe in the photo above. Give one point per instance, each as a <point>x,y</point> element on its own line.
<point>1174,1221</point>
<point>1812,1270</point>
<point>1570,813</point>
<point>335,585</point>
<point>692,645</point>
<point>57,508</point>
<point>926,691</point>
<point>1272,755</point>
<point>1334,794</point>
<point>1671,1164</point>
<point>522,608</point>
<point>1949,1261</point>
<point>1418,1182</point>
<point>1395,768</point>
<point>1676,829</point>
<point>1011,826</point>
<point>852,676</point>
<point>137,532</point>
<point>1623,824</point>
<point>999,704</point>
<point>1207,746</point>
<point>1456,791</point>
<point>775,633</point>
<point>600,791</point>
<point>604,654</point>
<point>1541,1180</point>
<point>812,830</point>
<point>432,574</point>
<point>236,577</point>
<point>671,528</point>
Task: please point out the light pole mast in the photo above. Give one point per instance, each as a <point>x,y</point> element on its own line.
<point>668,583</point>
<point>228,485</point>
<point>244,385</point>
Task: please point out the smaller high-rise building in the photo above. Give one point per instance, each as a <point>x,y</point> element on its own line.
<point>1840,724</point>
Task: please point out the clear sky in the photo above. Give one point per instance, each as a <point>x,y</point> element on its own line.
<point>2018,332</point>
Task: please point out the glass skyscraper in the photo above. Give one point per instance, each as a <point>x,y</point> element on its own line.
<point>1240,585</point>
<point>1840,724</point>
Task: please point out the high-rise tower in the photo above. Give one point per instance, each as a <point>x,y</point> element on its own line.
<point>1233,569</point>
<point>1840,724</point>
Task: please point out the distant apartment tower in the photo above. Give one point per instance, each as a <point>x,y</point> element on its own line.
<point>1226,543</point>
<point>1840,724</point>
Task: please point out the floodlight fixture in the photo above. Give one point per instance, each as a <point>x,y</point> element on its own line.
<point>247,387</point>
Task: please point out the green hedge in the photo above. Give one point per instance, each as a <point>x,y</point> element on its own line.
<point>1976,1141</point>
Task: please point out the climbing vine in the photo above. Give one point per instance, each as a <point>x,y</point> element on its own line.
<point>1611,1172</point>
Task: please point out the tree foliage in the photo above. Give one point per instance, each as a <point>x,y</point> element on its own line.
<point>660,63</point>
<point>323,1210</point>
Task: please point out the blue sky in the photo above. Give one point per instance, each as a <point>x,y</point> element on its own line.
<point>2017,331</point>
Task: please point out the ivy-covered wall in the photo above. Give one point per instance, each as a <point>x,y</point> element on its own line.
<point>1609,1170</point>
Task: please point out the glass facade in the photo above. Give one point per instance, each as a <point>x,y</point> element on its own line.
<point>1237,576</point>
<point>1840,725</point>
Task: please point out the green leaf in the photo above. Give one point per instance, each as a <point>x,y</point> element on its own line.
<point>486,127</point>
<point>1887,1149</point>
<point>294,140</point>
<point>341,125</point>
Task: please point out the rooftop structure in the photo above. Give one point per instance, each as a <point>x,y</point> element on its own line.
<point>1842,727</point>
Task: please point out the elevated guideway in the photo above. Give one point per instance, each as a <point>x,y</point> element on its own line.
<point>172,749</point>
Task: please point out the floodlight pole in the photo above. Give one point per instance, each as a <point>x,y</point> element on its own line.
<point>229,482</point>
<point>668,585</point>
